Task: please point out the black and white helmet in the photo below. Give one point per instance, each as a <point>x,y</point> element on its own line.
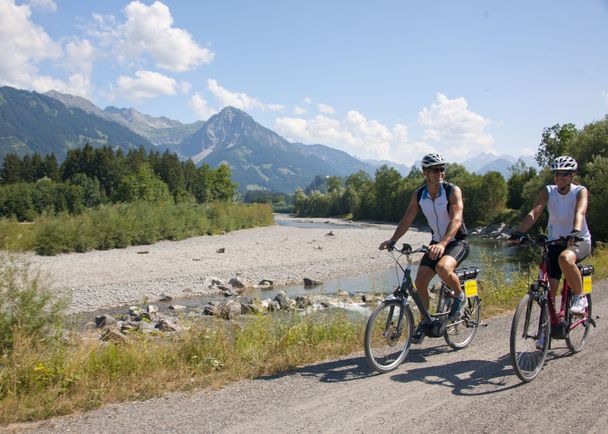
<point>564,163</point>
<point>433,160</point>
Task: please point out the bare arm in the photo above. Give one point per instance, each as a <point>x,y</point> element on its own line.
<point>535,212</point>
<point>580,209</point>
<point>404,223</point>
<point>456,208</point>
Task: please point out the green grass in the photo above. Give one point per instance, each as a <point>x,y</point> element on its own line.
<point>122,225</point>
<point>39,380</point>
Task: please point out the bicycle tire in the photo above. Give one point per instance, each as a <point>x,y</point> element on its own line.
<point>577,336</point>
<point>528,360</point>
<point>458,334</point>
<point>386,347</point>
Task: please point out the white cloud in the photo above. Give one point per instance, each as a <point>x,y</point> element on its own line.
<point>307,100</point>
<point>199,105</point>
<point>458,131</point>
<point>326,109</point>
<point>23,45</point>
<point>354,134</point>
<point>299,111</point>
<point>239,100</point>
<point>149,30</point>
<point>146,84</point>
<point>48,5</point>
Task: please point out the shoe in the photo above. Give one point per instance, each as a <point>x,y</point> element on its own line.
<point>418,335</point>
<point>540,343</point>
<point>458,307</point>
<point>579,304</point>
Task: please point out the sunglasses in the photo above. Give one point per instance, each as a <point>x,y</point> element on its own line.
<point>562,174</point>
<point>436,169</point>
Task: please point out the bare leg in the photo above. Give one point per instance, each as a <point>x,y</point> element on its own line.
<point>423,277</point>
<point>445,269</point>
<point>567,263</point>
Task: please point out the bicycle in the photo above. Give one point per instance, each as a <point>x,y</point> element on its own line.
<point>536,321</point>
<point>389,330</point>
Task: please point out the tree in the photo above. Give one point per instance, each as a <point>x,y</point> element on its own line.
<point>555,142</point>
<point>142,185</point>
<point>222,187</point>
<point>520,173</point>
<point>11,169</point>
<point>358,180</point>
<point>595,181</point>
<point>387,188</point>
<point>493,196</point>
<point>590,142</point>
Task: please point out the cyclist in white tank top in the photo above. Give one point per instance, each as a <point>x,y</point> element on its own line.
<point>442,205</point>
<point>567,206</point>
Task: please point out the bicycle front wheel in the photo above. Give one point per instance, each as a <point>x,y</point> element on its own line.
<point>578,327</point>
<point>388,335</point>
<point>530,333</point>
<point>458,334</point>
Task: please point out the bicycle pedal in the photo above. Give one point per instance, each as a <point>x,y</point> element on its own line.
<point>592,322</point>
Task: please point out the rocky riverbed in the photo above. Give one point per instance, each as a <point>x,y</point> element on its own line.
<point>280,254</point>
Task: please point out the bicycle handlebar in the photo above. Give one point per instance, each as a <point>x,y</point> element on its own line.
<point>542,241</point>
<point>407,249</point>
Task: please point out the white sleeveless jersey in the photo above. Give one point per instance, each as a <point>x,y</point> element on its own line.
<point>561,213</point>
<point>437,212</point>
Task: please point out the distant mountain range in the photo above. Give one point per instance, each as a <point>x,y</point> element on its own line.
<point>486,162</point>
<point>260,159</point>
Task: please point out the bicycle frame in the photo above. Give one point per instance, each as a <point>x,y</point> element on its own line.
<point>556,317</point>
<point>408,289</point>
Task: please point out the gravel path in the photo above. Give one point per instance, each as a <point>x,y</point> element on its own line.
<point>283,254</point>
<point>436,390</point>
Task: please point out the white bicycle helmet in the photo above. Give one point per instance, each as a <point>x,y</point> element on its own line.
<point>430,160</point>
<point>564,163</point>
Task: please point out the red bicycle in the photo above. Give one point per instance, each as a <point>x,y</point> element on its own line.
<point>536,321</point>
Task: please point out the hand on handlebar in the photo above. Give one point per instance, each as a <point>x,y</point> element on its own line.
<point>436,251</point>
<point>388,244</point>
<point>516,237</point>
<point>573,238</point>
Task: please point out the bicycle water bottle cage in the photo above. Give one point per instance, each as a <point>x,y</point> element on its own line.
<point>467,273</point>
<point>586,270</point>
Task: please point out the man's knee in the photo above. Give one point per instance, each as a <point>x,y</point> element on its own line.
<point>445,268</point>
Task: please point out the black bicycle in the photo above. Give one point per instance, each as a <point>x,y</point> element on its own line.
<point>389,330</point>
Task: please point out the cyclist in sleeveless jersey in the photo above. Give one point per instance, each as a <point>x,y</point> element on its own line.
<point>567,206</point>
<point>441,203</point>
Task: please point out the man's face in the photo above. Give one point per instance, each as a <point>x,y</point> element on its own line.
<point>434,174</point>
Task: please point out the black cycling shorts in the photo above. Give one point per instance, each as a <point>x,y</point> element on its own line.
<point>581,249</point>
<point>457,249</point>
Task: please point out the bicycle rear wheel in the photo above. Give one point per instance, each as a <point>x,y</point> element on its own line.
<point>388,335</point>
<point>578,327</point>
<point>530,322</point>
<point>458,334</point>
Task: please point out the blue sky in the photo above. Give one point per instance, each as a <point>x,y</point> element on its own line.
<point>383,80</point>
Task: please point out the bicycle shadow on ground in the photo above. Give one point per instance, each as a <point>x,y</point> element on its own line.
<point>468,377</point>
<point>354,368</point>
